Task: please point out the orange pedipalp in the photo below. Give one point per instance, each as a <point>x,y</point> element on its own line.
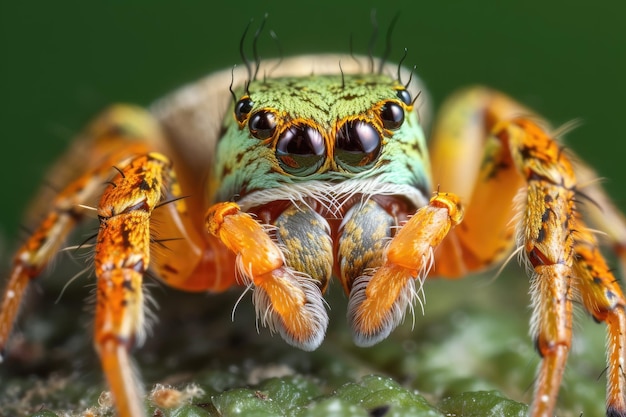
<point>287,301</point>
<point>244,236</point>
<point>377,303</point>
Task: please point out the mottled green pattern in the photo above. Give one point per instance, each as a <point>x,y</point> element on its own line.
<point>245,164</point>
<point>323,99</point>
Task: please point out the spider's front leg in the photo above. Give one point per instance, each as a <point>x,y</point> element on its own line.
<point>547,231</point>
<point>142,190</point>
<point>112,138</point>
<point>564,260</point>
<point>122,257</point>
<point>145,187</point>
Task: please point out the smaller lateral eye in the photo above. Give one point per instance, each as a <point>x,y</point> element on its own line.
<point>392,115</point>
<point>262,124</point>
<point>405,96</point>
<point>243,108</point>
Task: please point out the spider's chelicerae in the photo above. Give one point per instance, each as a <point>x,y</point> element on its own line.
<point>320,168</point>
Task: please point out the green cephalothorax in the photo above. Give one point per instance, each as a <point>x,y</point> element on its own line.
<point>332,163</point>
<point>332,128</point>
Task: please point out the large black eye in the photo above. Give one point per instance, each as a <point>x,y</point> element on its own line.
<point>392,115</point>
<point>300,150</point>
<point>262,124</point>
<point>405,96</point>
<point>358,144</point>
<point>242,109</point>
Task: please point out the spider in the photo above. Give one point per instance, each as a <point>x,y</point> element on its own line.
<point>318,169</point>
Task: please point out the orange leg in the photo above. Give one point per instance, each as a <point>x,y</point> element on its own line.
<point>145,190</point>
<point>480,170</point>
<point>600,290</point>
<point>110,135</point>
<point>514,155</point>
<point>547,232</point>
<point>122,257</point>
<point>126,210</point>
<point>603,298</point>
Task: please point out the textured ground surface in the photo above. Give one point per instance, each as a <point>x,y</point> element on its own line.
<point>468,356</point>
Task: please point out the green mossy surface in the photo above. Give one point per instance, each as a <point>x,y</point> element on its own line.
<point>469,355</point>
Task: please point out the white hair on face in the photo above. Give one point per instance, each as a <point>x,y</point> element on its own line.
<point>330,195</point>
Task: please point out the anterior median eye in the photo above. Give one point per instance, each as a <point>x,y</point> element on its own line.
<point>358,144</point>
<point>262,124</point>
<point>301,150</point>
<point>392,115</point>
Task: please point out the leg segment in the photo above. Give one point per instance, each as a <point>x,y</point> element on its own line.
<point>479,169</point>
<point>603,298</point>
<point>512,153</point>
<point>547,232</point>
<point>122,257</point>
<point>600,290</point>
<point>114,136</point>
<point>554,234</point>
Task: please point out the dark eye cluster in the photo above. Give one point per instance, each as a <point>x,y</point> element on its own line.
<point>300,148</point>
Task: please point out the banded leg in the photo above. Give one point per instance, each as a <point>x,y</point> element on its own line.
<point>567,263</point>
<point>604,300</point>
<point>547,231</point>
<point>547,167</point>
<point>562,254</point>
<point>113,137</point>
<point>600,290</point>
<point>145,191</point>
<point>122,257</point>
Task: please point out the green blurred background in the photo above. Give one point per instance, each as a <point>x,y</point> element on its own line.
<point>62,61</point>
